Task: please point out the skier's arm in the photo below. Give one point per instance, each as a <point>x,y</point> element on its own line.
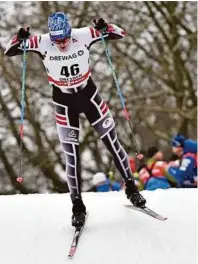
<point>90,35</point>
<point>15,45</point>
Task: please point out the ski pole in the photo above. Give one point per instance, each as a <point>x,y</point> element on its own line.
<point>122,100</point>
<point>20,178</point>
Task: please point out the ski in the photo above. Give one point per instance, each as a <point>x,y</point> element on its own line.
<point>147,211</point>
<point>75,240</point>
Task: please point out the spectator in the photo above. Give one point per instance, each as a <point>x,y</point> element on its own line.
<point>152,174</point>
<point>184,175</point>
<point>102,184</point>
<point>173,161</point>
<point>113,177</point>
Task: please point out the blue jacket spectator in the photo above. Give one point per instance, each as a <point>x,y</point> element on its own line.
<point>185,175</point>
<point>102,184</point>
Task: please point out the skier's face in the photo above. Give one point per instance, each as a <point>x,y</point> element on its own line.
<point>63,44</point>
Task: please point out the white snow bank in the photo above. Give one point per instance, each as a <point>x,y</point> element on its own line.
<point>36,229</point>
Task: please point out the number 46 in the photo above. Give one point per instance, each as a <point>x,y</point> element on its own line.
<point>72,70</point>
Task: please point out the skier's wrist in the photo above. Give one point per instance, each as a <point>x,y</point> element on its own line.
<point>100,24</point>
<point>23,34</point>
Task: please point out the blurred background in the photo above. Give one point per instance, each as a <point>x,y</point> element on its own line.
<point>156,64</point>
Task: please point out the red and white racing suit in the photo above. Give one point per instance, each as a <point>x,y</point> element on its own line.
<point>74,92</point>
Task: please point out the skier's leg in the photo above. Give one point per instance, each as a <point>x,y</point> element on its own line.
<point>68,132</point>
<point>101,119</point>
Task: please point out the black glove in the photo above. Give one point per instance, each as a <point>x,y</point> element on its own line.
<point>23,34</point>
<point>100,24</point>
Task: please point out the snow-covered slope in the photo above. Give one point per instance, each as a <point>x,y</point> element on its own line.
<point>35,229</point>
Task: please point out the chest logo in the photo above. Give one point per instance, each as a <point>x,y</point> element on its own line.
<point>67,57</point>
<point>80,52</point>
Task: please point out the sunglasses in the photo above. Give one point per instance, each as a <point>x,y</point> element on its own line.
<point>59,41</point>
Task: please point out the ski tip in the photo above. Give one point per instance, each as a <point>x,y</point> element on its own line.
<point>164,218</point>
<point>161,218</point>
<point>71,252</point>
<point>147,211</point>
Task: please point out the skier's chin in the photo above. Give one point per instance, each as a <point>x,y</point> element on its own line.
<point>64,49</point>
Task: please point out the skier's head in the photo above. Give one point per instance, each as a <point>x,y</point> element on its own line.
<point>177,143</point>
<point>59,30</point>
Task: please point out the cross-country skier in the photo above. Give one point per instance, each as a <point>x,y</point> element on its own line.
<point>65,54</point>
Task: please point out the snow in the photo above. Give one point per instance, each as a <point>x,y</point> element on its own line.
<point>36,229</point>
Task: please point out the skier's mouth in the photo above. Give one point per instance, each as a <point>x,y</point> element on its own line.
<point>63,47</point>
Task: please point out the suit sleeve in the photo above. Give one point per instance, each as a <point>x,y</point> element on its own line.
<point>15,47</point>
<point>89,35</point>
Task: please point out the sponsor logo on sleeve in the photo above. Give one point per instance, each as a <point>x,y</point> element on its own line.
<point>72,136</point>
<point>107,122</point>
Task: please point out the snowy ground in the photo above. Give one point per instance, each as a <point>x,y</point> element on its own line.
<point>35,229</point>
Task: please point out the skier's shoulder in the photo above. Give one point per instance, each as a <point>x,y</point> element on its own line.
<point>44,41</point>
<point>44,38</point>
<point>81,33</point>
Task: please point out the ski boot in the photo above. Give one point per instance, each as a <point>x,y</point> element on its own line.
<point>133,195</point>
<point>79,211</point>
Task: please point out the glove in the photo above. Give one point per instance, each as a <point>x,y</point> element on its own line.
<point>100,24</point>
<point>23,34</point>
